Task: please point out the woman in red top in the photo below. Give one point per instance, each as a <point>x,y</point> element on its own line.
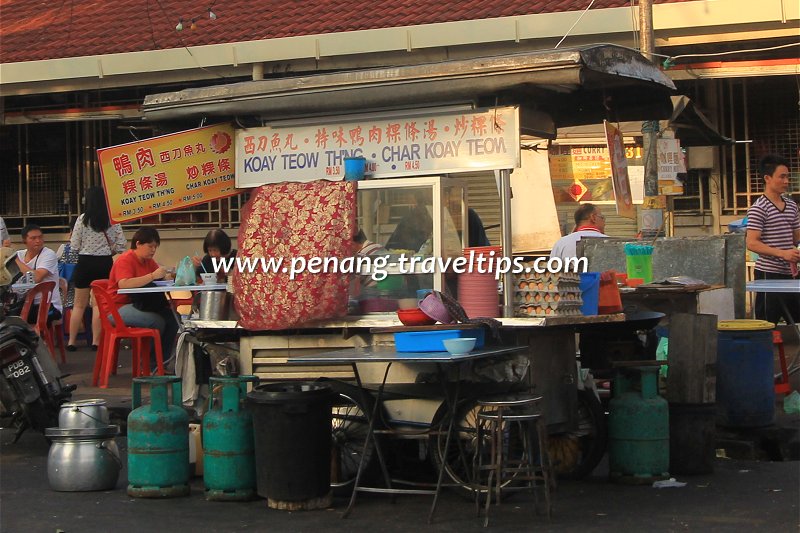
<point>136,268</point>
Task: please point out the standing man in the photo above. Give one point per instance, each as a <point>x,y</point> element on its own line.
<point>589,222</point>
<point>773,232</point>
<point>42,261</point>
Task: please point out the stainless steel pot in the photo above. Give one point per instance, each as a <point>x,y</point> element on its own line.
<point>83,459</point>
<point>214,305</point>
<point>83,414</point>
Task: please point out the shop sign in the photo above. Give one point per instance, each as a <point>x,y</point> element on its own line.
<point>582,173</point>
<point>169,172</point>
<point>671,162</point>
<point>397,145</point>
<point>619,172</point>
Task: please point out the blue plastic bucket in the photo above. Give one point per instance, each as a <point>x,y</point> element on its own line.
<point>354,168</point>
<point>745,382</point>
<point>590,292</point>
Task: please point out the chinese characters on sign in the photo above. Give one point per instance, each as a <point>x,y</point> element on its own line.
<point>396,146</point>
<point>670,163</point>
<point>168,172</point>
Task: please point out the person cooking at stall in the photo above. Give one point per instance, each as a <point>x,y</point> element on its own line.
<point>218,245</point>
<point>42,264</point>
<point>773,232</point>
<point>413,229</point>
<point>589,223</point>
<point>136,268</point>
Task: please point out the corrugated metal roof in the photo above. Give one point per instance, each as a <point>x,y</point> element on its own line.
<point>36,30</point>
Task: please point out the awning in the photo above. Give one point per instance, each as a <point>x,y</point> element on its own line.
<point>691,127</point>
<point>554,87</point>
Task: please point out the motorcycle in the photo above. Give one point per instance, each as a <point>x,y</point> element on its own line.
<point>31,386</point>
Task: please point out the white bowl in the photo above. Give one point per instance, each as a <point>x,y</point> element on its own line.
<point>459,346</point>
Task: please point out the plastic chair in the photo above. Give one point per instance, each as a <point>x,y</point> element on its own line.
<point>45,290</point>
<point>181,301</point>
<point>782,385</point>
<point>67,314</point>
<point>108,351</point>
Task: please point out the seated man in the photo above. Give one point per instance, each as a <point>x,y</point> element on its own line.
<point>42,263</point>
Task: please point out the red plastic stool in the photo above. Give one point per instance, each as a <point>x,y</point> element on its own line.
<point>781,383</point>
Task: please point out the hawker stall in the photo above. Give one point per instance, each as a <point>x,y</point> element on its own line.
<point>394,187</point>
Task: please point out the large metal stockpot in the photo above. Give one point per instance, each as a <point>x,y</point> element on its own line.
<point>83,414</point>
<point>83,459</point>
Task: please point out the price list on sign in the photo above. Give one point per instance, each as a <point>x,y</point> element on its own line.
<point>168,172</point>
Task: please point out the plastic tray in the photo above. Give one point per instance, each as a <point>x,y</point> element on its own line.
<point>431,341</point>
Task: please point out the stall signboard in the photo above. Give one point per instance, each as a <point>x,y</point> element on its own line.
<point>582,173</point>
<point>168,172</point>
<point>619,172</point>
<point>408,144</point>
<point>671,162</point>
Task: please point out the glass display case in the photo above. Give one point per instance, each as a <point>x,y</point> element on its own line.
<point>421,219</point>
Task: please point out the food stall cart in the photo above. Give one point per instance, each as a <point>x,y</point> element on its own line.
<point>529,93</point>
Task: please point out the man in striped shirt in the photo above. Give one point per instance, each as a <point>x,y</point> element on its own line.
<point>773,232</point>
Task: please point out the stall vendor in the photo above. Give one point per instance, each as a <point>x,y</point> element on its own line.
<point>589,223</point>
<point>773,232</point>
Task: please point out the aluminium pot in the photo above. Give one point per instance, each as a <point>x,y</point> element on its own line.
<point>85,459</point>
<point>83,414</point>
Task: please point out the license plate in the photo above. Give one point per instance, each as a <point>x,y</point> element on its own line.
<point>17,369</point>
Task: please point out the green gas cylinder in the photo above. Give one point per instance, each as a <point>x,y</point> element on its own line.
<point>638,427</point>
<point>158,441</point>
<point>229,468</point>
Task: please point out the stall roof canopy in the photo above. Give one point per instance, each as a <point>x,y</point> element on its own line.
<point>690,125</point>
<point>555,88</point>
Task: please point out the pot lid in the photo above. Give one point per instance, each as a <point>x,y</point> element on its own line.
<point>82,433</point>
<point>84,403</point>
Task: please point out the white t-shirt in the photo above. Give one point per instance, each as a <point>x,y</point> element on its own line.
<point>47,260</point>
<point>566,246</point>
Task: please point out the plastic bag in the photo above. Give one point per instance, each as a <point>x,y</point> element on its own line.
<point>661,355</point>
<point>791,404</point>
<point>185,274</point>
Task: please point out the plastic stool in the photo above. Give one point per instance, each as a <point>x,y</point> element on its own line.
<point>500,418</point>
<point>782,383</point>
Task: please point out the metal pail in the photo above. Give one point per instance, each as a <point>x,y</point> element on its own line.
<point>214,305</point>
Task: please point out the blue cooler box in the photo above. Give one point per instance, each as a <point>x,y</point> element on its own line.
<point>431,341</point>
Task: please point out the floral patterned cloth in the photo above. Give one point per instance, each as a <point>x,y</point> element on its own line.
<point>292,220</point>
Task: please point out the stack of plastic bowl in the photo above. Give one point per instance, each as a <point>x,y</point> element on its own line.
<point>477,291</point>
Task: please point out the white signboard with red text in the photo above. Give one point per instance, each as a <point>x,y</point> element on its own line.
<point>398,145</point>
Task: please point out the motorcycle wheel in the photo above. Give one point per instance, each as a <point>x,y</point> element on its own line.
<point>576,454</point>
<point>465,435</point>
<point>349,424</point>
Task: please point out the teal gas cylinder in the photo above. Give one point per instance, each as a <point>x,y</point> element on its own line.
<point>229,465</point>
<point>158,441</point>
<point>638,427</point>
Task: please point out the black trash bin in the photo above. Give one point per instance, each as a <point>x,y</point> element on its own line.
<point>292,427</point>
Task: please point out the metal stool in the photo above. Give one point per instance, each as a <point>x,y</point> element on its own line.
<point>503,421</point>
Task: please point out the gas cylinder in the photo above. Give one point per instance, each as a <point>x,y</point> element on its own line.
<point>229,469</point>
<point>638,427</point>
<point>158,441</point>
